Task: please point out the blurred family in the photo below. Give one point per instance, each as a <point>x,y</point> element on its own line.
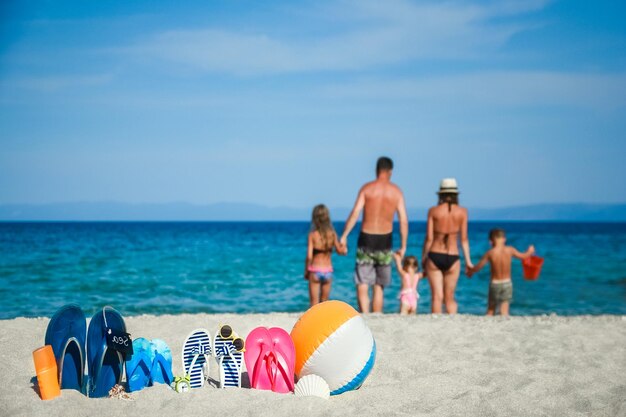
<point>446,226</point>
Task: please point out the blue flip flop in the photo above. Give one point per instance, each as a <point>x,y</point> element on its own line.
<point>139,364</point>
<point>161,371</point>
<point>104,365</point>
<point>66,334</point>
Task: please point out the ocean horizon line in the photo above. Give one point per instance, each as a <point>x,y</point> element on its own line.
<point>225,211</point>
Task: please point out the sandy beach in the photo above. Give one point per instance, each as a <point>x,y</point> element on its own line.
<point>426,365</point>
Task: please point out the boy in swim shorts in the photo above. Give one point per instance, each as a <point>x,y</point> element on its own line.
<point>500,257</point>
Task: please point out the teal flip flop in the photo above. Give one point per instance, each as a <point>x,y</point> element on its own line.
<point>139,365</point>
<point>161,371</point>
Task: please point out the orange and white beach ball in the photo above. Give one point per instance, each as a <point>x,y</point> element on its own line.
<point>333,342</point>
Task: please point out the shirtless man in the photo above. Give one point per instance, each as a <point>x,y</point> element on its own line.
<point>500,256</point>
<point>380,200</point>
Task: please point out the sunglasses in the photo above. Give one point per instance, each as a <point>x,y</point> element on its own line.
<point>227,332</point>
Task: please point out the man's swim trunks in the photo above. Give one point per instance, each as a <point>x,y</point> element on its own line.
<point>373,259</point>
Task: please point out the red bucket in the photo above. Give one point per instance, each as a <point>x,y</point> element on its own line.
<point>532,267</point>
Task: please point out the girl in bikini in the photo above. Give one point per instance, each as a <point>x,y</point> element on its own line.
<point>408,270</point>
<point>446,222</point>
<point>318,267</point>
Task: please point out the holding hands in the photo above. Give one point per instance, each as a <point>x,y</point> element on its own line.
<point>470,270</point>
<point>343,246</point>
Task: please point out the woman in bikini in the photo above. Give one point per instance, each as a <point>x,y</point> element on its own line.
<point>318,267</point>
<point>446,222</point>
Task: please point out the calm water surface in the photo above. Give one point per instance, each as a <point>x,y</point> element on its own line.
<point>244,267</point>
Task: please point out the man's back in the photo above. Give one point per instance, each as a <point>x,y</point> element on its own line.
<point>500,260</point>
<point>379,200</point>
<point>381,203</point>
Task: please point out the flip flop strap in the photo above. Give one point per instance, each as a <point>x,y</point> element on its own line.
<point>271,368</point>
<point>263,356</point>
<point>160,360</point>
<point>191,365</point>
<point>281,367</point>
<point>231,353</point>
<point>199,350</point>
<point>120,357</point>
<point>143,360</point>
<point>220,358</point>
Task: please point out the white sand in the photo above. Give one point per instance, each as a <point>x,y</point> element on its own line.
<point>426,365</point>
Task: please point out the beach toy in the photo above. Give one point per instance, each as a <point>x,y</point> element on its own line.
<point>532,267</point>
<point>196,351</point>
<point>104,364</point>
<point>333,342</point>
<point>161,372</point>
<point>270,359</point>
<point>312,386</point>
<point>139,365</point>
<point>182,384</point>
<point>228,348</point>
<point>46,370</point>
<point>66,334</point>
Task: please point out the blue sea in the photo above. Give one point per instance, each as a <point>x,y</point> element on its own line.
<point>246,267</point>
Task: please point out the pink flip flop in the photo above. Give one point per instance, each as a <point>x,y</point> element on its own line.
<point>284,359</point>
<point>258,357</point>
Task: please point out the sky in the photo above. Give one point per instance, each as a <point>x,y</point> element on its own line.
<point>287,103</point>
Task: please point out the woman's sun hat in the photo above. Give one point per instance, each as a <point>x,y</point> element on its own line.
<point>448,186</point>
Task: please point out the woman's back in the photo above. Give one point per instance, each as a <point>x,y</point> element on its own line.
<point>447,222</point>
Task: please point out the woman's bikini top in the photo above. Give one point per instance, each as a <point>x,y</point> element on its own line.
<point>446,236</point>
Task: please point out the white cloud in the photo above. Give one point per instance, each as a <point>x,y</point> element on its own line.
<point>369,34</point>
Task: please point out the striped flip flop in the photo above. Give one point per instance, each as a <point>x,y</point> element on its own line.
<point>196,352</point>
<point>229,361</point>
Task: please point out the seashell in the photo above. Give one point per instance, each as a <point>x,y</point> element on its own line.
<point>312,386</point>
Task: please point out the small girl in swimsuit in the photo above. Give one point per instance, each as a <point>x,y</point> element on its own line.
<point>408,270</point>
<point>318,267</point>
